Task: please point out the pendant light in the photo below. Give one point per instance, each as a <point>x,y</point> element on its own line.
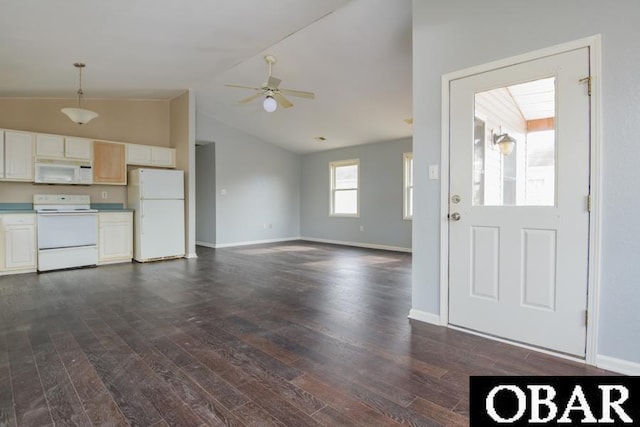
<point>79,115</point>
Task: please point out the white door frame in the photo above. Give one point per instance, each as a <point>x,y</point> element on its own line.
<point>593,286</point>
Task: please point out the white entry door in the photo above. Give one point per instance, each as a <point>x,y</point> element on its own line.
<point>518,202</point>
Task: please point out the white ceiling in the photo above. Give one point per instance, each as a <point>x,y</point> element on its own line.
<point>354,54</point>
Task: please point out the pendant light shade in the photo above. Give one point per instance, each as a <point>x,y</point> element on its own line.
<point>79,115</point>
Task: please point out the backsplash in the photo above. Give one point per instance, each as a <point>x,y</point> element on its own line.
<point>22,192</point>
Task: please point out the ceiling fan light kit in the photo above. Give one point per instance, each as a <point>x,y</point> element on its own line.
<point>273,95</point>
<point>269,104</point>
<point>79,115</point>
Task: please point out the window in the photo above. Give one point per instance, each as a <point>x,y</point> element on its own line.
<point>408,186</point>
<point>344,187</point>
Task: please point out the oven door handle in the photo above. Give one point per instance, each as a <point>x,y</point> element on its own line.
<point>67,213</point>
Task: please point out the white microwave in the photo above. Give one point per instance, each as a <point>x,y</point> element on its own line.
<point>63,173</point>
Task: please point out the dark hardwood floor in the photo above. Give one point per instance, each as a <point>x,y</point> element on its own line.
<point>294,334</point>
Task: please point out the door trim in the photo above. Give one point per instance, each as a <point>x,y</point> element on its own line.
<point>593,285</point>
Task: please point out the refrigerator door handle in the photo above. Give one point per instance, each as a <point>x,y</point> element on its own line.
<point>141,219</point>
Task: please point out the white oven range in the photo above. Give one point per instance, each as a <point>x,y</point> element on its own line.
<point>67,231</point>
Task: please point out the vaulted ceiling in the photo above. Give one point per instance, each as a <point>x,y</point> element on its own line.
<point>355,55</point>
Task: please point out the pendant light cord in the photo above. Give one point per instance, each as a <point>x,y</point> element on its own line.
<point>80,92</point>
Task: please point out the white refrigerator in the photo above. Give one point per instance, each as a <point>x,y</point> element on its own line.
<point>157,199</point>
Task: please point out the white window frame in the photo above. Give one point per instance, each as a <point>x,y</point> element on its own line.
<point>407,185</point>
<point>333,190</point>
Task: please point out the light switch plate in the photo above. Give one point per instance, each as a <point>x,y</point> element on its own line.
<point>433,172</point>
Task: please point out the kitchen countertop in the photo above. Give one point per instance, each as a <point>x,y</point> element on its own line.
<point>16,211</point>
<point>110,207</point>
<point>16,208</point>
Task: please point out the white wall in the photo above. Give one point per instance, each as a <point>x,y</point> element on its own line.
<point>381,189</point>
<point>261,182</point>
<point>456,34</point>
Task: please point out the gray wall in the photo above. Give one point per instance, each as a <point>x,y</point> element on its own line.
<point>262,185</point>
<point>381,189</point>
<point>206,194</point>
<point>456,34</point>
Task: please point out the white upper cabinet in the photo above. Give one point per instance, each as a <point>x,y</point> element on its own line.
<point>1,154</point>
<point>18,156</point>
<point>77,148</point>
<point>49,145</point>
<point>149,155</point>
<point>163,156</point>
<point>60,147</point>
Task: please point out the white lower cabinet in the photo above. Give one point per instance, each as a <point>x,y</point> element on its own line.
<point>18,237</point>
<point>115,237</point>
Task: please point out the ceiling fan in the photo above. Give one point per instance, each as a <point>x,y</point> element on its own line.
<point>274,95</point>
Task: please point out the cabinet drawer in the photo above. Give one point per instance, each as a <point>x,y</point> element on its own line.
<point>109,217</point>
<point>19,219</point>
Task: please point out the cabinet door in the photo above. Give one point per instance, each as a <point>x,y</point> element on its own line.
<point>161,156</point>
<point>115,241</point>
<point>1,154</point>
<point>138,154</point>
<point>49,146</point>
<point>18,150</point>
<point>109,165</point>
<point>76,148</point>
<point>20,246</point>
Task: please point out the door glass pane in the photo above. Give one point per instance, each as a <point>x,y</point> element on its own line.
<point>514,146</point>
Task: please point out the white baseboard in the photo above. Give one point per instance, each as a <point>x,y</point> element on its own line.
<point>357,244</point>
<point>254,242</point>
<point>618,365</point>
<point>191,255</point>
<point>206,244</point>
<point>423,316</point>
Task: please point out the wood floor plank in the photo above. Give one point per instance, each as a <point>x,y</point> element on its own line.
<point>356,410</point>
<point>279,408</point>
<point>8,417</point>
<point>139,376</point>
<point>31,407</point>
<point>65,406</point>
<point>97,402</point>
<point>287,334</point>
<point>212,411</point>
<point>252,415</point>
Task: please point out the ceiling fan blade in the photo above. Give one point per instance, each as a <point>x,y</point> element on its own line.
<point>249,99</point>
<point>299,93</point>
<point>273,82</point>
<point>282,101</point>
<point>243,87</point>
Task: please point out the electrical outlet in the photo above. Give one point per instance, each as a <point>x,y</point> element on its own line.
<point>104,194</point>
<point>362,228</point>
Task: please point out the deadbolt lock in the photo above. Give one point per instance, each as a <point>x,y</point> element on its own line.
<point>455,199</point>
